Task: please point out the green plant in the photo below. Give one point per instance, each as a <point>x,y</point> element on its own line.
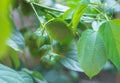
<point>82,38</point>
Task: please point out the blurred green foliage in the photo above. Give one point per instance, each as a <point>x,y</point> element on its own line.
<point>5,26</point>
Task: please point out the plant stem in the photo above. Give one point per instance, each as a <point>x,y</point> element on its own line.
<point>104,14</point>
<point>36,14</point>
<point>106,17</point>
<point>43,27</point>
<point>95,8</point>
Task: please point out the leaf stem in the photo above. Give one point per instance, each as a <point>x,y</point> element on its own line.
<point>104,14</point>
<point>36,14</point>
<point>106,17</point>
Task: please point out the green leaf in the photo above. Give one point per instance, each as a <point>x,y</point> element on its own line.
<point>59,31</point>
<point>46,7</point>
<point>59,75</point>
<point>70,61</point>
<point>4,25</point>
<point>8,75</point>
<point>110,32</point>
<point>85,1</point>
<point>16,41</point>
<point>36,75</point>
<point>14,56</point>
<point>91,53</point>
<point>26,77</point>
<point>68,14</point>
<point>77,15</point>
<point>11,58</point>
<point>73,3</point>
<point>50,59</point>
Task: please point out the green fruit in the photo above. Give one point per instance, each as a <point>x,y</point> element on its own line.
<point>50,59</point>
<point>36,42</point>
<point>31,43</point>
<point>38,52</point>
<point>59,31</point>
<point>44,49</point>
<point>40,37</point>
<point>61,49</point>
<point>40,41</point>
